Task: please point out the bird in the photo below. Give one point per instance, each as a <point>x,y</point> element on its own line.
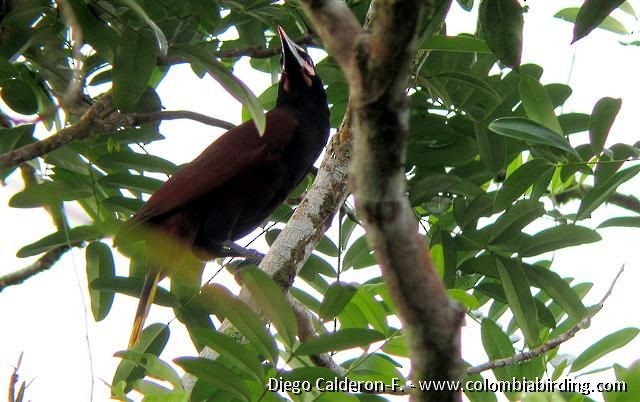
<point>238,180</point>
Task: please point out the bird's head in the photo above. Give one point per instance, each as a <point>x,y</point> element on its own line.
<point>298,70</point>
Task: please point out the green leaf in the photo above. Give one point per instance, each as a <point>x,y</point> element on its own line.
<point>228,347</point>
<point>528,130</point>
<point>372,309</point>
<point>502,22</point>
<point>622,221</point>
<point>335,299</point>
<point>19,96</point>
<point>429,186</point>
<point>58,239</point>
<point>271,300</point>
<point>498,346</point>
<point>519,181</point>
<point>228,81</point>
<point>214,373</point>
<point>153,366</point>
<point>604,346</point>
<point>358,255</point>
<point>602,117</point>
<point>514,219</point>
<point>630,378</point>
<point>152,340</point>
<point>471,81</point>
<point>340,340</point>
<point>133,287</point>
<point>99,265</point>
<point>518,292</point>
<point>160,38</point>
<point>460,43</point>
<point>467,300</point>
<point>131,182</point>
<point>135,58</point>
<point>48,193</point>
<point>327,246</point>
<point>572,123</point>
<point>246,321</point>
<point>126,160</point>
<point>123,204</point>
<point>397,346</point>
<point>558,289</point>
<point>537,103</point>
<point>558,237</point>
<point>600,193</point>
<point>490,147</point>
<point>592,13</point>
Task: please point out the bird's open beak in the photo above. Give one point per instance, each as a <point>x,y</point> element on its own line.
<point>291,52</point>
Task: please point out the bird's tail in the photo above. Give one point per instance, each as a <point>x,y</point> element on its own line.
<point>146,299</point>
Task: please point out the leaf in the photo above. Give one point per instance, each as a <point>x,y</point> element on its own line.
<point>467,5</point>
<point>247,321</point>
<point>228,347</point>
<point>135,58</point>
<point>600,193</point>
<point>328,247</point>
<point>48,193</point>
<point>572,123</point>
<point>152,340</point>
<point>514,220</point>
<point>519,181</point>
<point>502,24</point>
<point>471,81</point>
<point>490,147</point>
<point>558,237</point>
<point>153,366</point>
<point>272,301</point>
<point>133,287</point>
<point>602,117</point>
<point>99,265</point>
<point>604,346</point>
<point>528,130</point>
<point>131,182</point>
<point>340,340</point>
<point>214,373</point>
<point>160,38</point>
<point>126,160</point>
<point>498,346</point>
<point>58,239</point>
<point>518,292</point>
<point>537,103</point>
<point>467,300</point>
<point>622,221</point>
<point>592,13</point>
<point>430,186</point>
<point>123,204</point>
<point>19,96</point>
<point>558,289</point>
<point>358,255</point>
<point>460,43</point>
<point>228,81</point>
<point>335,299</point>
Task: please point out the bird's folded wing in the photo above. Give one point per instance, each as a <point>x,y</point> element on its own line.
<point>238,149</point>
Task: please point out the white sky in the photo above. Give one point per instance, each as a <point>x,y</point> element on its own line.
<point>46,318</point>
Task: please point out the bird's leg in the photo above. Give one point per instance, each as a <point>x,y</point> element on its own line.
<point>235,250</point>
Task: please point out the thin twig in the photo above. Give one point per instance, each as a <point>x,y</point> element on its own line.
<point>549,345</point>
<point>625,201</point>
<point>141,118</point>
<point>101,118</point>
<point>42,264</point>
<point>255,52</point>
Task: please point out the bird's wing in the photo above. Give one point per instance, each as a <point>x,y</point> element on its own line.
<point>235,151</point>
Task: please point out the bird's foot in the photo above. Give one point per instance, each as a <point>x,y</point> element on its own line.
<point>250,255</point>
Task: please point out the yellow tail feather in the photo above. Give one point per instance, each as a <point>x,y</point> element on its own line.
<point>146,299</point>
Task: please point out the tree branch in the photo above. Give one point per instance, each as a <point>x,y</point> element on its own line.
<point>101,118</point>
<point>377,65</point>
<point>550,344</point>
<point>42,264</point>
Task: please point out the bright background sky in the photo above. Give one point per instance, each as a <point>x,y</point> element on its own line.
<point>48,319</point>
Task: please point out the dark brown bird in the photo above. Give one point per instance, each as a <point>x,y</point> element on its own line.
<point>241,178</point>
